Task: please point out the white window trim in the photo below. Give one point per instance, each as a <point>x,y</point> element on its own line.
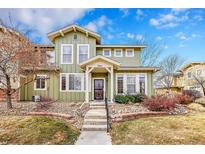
<point>67,82</point>
<point>199,70</point>
<point>43,75</point>
<point>125,82</point>
<point>133,53</point>
<point>62,45</point>
<point>109,52</point>
<point>78,47</point>
<point>117,55</point>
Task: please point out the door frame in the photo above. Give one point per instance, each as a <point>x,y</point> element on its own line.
<point>93,87</point>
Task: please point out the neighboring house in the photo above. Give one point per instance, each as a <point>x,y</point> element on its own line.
<point>189,73</point>
<point>176,85</point>
<point>87,70</point>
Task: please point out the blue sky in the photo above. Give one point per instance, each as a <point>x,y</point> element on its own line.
<point>181,31</point>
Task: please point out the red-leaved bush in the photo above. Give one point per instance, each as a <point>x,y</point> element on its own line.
<point>183,99</point>
<point>159,103</point>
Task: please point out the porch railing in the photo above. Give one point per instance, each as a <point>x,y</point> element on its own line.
<point>107,113</point>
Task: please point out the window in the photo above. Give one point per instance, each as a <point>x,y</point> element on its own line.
<point>83,52</point>
<point>120,84</point>
<point>131,84</point>
<point>199,72</point>
<point>106,52</point>
<point>66,53</point>
<point>142,84</point>
<point>118,53</point>
<point>40,83</point>
<point>72,81</point>
<point>130,53</point>
<point>189,75</point>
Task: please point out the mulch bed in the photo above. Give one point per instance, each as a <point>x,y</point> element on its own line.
<point>25,108</point>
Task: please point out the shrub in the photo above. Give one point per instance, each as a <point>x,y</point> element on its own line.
<point>193,93</point>
<point>159,103</point>
<point>124,99</point>
<point>121,99</point>
<point>183,99</point>
<point>196,107</point>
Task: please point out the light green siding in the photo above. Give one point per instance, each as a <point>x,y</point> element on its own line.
<point>124,61</point>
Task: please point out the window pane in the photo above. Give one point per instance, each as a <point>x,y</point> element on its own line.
<point>83,57</point>
<point>106,52</point>
<point>130,53</point>
<point>38,83</point>
<point>67,49</point>
<point>43,83</point>
<point>63,82</point>
<point>83,49</point>
<point>67,58</point>
<point>120,85</point>
<point>131,84</point>
<point>77,82</point>
<point>71,82</point>
<point>142,84</point>
<point>118,53</point>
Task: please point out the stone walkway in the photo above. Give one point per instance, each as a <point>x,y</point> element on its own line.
<point>94,130</point>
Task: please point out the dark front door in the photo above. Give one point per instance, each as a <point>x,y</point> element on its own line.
<point>98,89</point>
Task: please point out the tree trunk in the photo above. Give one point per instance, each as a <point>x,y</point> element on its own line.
<point>8,93</point>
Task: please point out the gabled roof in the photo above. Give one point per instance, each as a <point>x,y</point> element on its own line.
<point>191,64</point>
<point>73,27</point>
<point>99,57</point>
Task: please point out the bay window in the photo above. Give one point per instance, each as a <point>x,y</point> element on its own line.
<point>83,52</point>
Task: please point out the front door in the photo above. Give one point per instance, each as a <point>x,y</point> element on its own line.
<point>98,89</point>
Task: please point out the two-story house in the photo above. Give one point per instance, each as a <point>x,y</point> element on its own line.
<point>88,70</point>
<point>190,73</point>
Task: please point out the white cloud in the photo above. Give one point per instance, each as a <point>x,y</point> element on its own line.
<point>181,45</point>
<point>130,35</point>
<point>139,14</point>
<point>43,20</point>
<point>109,36</point>
<point>182,36</point>
<point>179,10</point>
<point>169,20</point>
<point>125,12</point>
<point>198,17</point>
<point>166,47</point>
<point>99,23</point>
<point>195,35</point>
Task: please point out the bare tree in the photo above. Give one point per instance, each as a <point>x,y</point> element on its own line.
<point>200,80</point>
<point>151,54</point>
<point>16,54</point>
<point>168,70</point>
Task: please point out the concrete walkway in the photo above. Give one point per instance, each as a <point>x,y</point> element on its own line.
<point>94,138</point>
<point>94,130</point>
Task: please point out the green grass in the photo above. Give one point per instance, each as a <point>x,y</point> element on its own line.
<point>189,129</point>
<point>35,130</point>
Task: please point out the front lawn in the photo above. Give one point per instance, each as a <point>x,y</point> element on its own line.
<point>35,130</point>
<point>186,129</point>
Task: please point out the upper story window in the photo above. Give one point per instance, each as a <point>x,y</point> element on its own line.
<point>40,83</point>
<point>107,52</point>
<point>118,53</point>
<point>83,53</point>
<point>130,53</point>
<point>66,54</point>
<point>199,72</point>
<point>189,75</point>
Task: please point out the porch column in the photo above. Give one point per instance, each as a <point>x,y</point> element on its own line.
<point>87,85</point>
<point>111,84</point>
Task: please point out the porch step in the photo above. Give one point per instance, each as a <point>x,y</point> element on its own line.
<point>94,127</point>
<point>95,122</point>
<point>97,104</point>
<point>97,107</point>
